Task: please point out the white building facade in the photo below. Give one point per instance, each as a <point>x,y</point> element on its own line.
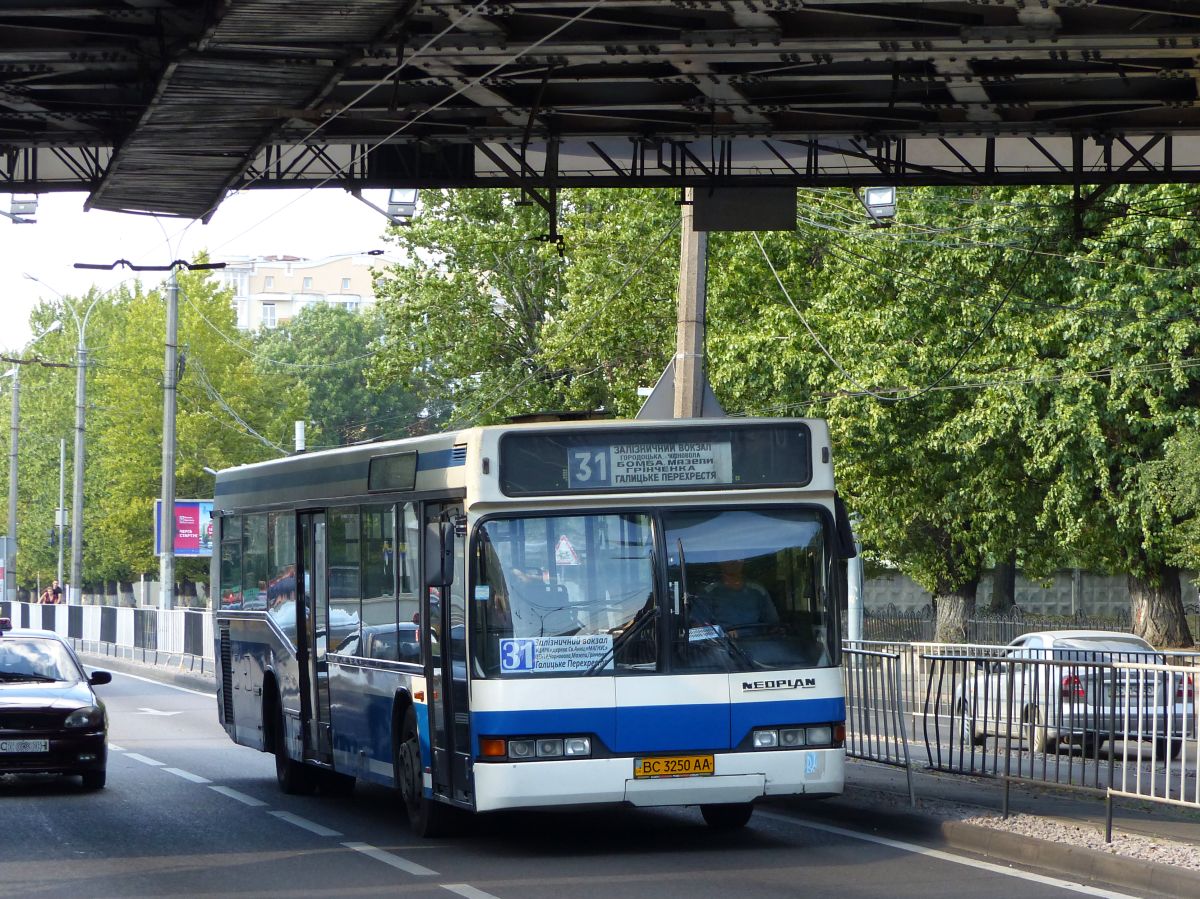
<point>270,290</point>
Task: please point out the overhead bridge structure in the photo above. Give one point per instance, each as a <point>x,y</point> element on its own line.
<point>164,106</point>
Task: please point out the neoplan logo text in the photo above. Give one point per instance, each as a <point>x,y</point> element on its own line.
<point>789,683</point>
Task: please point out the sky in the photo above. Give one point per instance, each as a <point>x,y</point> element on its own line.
<point>313,224</point>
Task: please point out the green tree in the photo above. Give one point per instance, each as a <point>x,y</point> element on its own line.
<point>491,317</point>
<point>878,333</point>
<point>327,351</point>
<point>228,413</point>
<point>1120,386</point>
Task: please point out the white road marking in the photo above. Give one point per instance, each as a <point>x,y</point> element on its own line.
<point>188,775</point>
<point>389,859</point>
<point>115,748</point>
<point>240,797</point>
<point>145,711</point>
<point>948,857</point>
<point>151,680</point>
<point>311,826</point>
<point>143,759</point>
<point>465,889</point>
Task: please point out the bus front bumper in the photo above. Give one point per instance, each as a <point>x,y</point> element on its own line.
<point>738,777</point>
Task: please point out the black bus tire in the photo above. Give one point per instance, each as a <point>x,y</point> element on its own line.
<point>728,816</point>
<point>427,817</point>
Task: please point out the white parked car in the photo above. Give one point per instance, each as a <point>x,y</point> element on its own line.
<point>1054,687</point>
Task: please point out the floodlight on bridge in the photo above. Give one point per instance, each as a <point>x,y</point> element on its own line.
<point>22,209</point>
<point>402,205</point>
<point>880,203</point>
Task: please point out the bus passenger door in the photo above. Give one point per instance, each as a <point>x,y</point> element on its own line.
<point>444,606</point>
<point>312,584</point>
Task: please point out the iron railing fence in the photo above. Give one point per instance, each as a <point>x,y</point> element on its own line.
<point>1122,724</point>
<point>875,720</point>
<point>1176,738</point>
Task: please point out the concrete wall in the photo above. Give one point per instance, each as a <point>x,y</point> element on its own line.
<point>1098,595</point>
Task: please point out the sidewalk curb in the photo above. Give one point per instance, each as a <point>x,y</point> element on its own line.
<point>1074,861</point>
<point>153,672</point>
<point>1060,859</point>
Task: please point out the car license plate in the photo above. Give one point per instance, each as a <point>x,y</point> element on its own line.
<point>15,746</point>
<point>673,765</point>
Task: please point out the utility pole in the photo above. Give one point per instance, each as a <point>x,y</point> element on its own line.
<point>166,564</point>
<point>60,514</point>
<point>10,575</point>
<point>689,341</point>
<point>75,593</point>
<point>166,567</point>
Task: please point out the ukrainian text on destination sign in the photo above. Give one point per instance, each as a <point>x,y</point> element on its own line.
<point>641,464</point>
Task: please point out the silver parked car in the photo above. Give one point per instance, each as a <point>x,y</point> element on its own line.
<point>1055,687</point>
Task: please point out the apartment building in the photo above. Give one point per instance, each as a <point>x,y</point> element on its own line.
<point>269,290</point>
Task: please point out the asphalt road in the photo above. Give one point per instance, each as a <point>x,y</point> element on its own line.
<point>187,813</point>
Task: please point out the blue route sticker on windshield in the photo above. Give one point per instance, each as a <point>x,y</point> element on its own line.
<point>562,654</point>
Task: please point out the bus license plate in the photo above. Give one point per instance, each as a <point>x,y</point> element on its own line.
<point>15,746</point>
<point>673,765</point>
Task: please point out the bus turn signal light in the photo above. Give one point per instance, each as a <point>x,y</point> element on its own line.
<point>492,748</point>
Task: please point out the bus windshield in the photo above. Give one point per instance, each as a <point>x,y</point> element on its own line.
<point>748,590</point>
<point>554,594</point>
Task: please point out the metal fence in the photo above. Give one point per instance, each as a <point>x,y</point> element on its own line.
<point>875,725</point>
<point>1122,724</point>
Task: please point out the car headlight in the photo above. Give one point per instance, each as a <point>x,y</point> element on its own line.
<point>92,716</point>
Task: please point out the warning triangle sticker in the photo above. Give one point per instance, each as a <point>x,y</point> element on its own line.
<point>564,552</point>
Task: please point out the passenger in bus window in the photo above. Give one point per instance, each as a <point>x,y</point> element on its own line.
<point>734,602</point>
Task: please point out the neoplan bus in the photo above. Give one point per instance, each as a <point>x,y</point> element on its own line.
<point>541,615</point>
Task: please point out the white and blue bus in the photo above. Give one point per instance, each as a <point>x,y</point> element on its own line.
<point>533,615</point>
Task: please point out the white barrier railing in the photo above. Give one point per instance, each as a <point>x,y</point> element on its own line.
<point>178,632</point>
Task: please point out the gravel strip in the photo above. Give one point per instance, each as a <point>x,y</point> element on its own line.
<point>1150,849</point>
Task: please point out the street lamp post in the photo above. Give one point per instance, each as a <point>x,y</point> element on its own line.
<point>81,361</point>
<point>10,579</point>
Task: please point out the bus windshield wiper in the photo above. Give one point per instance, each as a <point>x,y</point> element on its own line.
<point>639,625</point>
<point>716,632</point>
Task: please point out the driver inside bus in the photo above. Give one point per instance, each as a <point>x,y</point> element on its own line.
<point>734,602</point>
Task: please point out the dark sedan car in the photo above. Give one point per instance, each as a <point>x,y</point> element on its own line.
<point>50,720</point>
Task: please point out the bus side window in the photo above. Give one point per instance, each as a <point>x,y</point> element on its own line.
<point>230,590</point>
<point>345,595</point>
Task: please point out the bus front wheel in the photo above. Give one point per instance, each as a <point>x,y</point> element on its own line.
<point>729,816</point>
<point>426,816</point>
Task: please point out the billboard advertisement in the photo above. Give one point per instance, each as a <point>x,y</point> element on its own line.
<point>193,527</point>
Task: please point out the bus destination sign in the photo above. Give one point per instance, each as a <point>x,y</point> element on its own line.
<point>688,457</point>
<point>642,465</point>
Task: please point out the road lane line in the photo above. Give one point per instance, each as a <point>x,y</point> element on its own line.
<point>389,859</point>
<point>240,797</point>
<point>143,759</point>
<point>465,889</point>
<point>188,775</point>
<point>311,826</point>
<point>151,680</point>
<point>948,857</point>
<point>115,748</point>
<point>160,683</point>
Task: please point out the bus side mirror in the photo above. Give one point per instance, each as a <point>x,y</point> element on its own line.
<point>439,554</point>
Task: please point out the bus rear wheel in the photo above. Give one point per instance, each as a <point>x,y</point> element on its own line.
<point>426,816</point>
<point>729,816</point>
